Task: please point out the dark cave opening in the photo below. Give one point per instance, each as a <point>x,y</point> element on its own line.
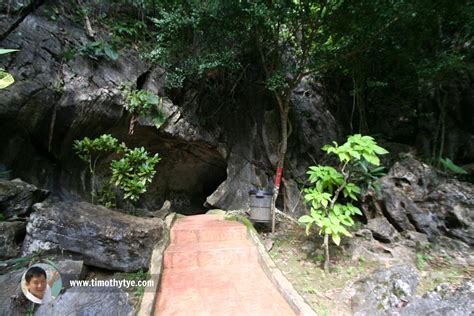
<point>187,174</point>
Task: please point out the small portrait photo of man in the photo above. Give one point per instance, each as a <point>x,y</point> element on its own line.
<point>41,283</point>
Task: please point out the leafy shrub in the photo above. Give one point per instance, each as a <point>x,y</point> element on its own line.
<point>142,103</point>
<point>330,211</point>
<point>98,50</point>
<point>90,151</point>
<point>131,173</point>
<point>131,30</point>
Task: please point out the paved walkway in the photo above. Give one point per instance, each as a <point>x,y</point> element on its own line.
<point>211,268</point>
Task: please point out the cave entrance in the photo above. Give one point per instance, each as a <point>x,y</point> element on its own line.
<point>187,174</point>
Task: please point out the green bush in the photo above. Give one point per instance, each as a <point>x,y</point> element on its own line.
<point>330,211</point>
<point>131,174</point>
<point>98,50</point>
<point>142,103</point>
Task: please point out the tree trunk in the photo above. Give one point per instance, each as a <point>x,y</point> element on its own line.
<point>326,252</point>
<point>284,105</point>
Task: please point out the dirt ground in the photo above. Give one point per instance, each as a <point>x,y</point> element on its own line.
<point>300,258</point>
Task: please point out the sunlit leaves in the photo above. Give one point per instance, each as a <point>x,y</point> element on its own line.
<point>325,177</point>
<point>6,79</point>
<point>333,188</point>
<point>357,147</point>
<point>7,51</point>
<point>88,148</point>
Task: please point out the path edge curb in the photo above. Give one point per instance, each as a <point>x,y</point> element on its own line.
<point>155,271</point>
<point>286,289</point>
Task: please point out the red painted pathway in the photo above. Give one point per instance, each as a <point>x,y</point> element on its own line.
<point>211,268</point>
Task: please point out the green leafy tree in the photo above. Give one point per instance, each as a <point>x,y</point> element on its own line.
<point>284,40</point>
<point>335,189</point>
<point>91,150</point>
<point>131,174</point>
<point>402,55</point>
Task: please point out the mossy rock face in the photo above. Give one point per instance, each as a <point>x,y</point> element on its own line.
<point>384,289</point>
<point>446,299</point>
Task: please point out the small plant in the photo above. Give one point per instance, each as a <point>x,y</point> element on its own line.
<point>448,164</point>
<point>90,150</point>
<point>57,86</point>
<point>142,103</point>
<point>310,289</point>
<point>69,53</point>
<point>132,31</point>
<point>98,50</point>
<point>330,211</point>
<point>131,174</point>
<point>319,258</point>
<point>422,255</point>
<point>422,259</point>
<point>106,196</point>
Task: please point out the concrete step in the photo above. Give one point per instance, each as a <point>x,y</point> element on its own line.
<point>214,253</point>
<point>206,228</point>
<point>232,290</point>
<point>192,234</point>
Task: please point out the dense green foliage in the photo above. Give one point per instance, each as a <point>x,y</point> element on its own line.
<point>330,211</point>
<point>91,150</point>
<point>142,103</point>
<point>139,102</point>
<point>398,58</point>
<point>402,57</point>
<point>131,174</point>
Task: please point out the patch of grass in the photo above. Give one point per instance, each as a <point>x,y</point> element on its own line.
<point>422,259</point>
<point>442,272</point>
<point>135,292</point>
<point>304,270</point>
<point>302,266</point>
